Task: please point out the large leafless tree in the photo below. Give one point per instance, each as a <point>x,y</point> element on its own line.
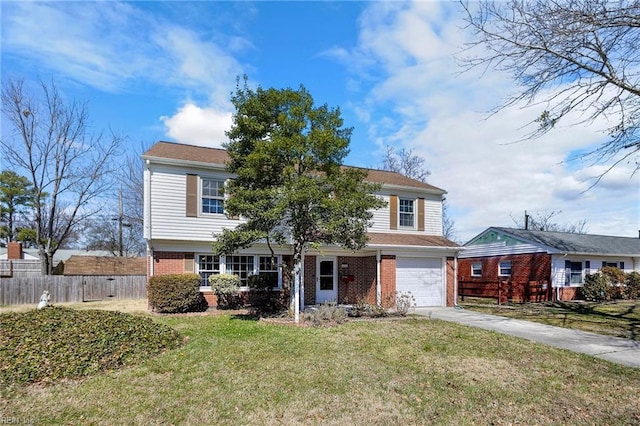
<point>577,57</point>
<point>68,165</point>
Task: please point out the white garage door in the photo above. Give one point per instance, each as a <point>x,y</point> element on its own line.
<point>423,278</point>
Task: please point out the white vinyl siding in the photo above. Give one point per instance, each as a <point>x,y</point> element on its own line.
<point>559,267</point>
<point>432,216</point>
<point>168,205</point>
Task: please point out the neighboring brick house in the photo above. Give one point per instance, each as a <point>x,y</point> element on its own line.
<point>183,209</point>
<point>529,265</point>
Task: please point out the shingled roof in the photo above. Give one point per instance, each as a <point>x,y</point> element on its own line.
<point>393,239</point>
<point>568,242</point>
<point>218,156</point>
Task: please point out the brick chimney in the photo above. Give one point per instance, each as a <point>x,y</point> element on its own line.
<point>14,250</point>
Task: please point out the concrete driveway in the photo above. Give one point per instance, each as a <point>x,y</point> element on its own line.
<point>614,349</point>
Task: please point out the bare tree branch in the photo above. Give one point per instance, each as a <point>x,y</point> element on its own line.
<point>577,57</point>
<point>68,166</point>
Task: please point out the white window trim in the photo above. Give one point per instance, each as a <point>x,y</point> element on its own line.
<point>473,274</point>
<point>256,268</point>
<point>201,195</point>
<point>413,213</point>
<point>500,274</point>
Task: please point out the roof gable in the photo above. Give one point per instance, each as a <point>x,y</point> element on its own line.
<point>220,157</point>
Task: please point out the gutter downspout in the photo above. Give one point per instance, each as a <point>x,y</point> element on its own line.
<point>378,285</point>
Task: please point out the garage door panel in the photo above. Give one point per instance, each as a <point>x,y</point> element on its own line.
<point>423,278</point>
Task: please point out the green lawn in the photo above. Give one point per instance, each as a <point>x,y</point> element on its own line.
<point>620,319</point>
<point>234,370</point>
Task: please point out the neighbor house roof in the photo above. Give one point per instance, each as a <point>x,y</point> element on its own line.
<point>205,155</point>
<point>568,242</point>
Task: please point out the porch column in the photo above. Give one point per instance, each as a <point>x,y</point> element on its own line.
<point>378,285</point>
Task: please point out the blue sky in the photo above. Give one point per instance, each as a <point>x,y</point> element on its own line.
<point>164,71</point>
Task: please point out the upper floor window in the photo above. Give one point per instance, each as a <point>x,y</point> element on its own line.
<point>504,270</point>
<point>406,211</point>
<point>476,269</point>
<point>212,197</point>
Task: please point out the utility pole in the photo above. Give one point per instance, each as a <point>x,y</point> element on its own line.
<point>121,224</point>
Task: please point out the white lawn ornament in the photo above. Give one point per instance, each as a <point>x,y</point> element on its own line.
<point>44,300</point>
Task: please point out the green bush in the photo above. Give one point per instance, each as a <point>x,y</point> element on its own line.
<point>226,288</point>
<point>176,293</point>
<point>632,282</point>
<point>51,344</point>
<point>264,300</point>
<point>596,287</point>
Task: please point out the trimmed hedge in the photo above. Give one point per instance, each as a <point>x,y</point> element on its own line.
<point>225,287</point>
<point>176,293</point>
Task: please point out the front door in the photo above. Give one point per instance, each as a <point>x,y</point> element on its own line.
<point>326,280</point>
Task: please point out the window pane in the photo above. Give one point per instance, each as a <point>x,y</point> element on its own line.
<point>241,266</point>
<point>208,265</point>
<point>406,216</point>
<point>476,269</point>
<point>212,200</point>
<point>505,268</point>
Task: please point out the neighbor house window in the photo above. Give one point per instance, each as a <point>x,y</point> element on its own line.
<point>407,212</point>
<point>619,265</point>
<point>587,267</point>
<point>208,265</point>
<point>504,270</point>
<point>268,266</point>
<point>573,272</point>
<point>476,269</point>
<point>241,266</point>
<point>212,197</point>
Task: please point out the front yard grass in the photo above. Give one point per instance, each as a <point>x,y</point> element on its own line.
<point>237,371</point>
<point>620,319</point>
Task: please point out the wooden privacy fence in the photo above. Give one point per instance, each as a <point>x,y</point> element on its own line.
<point>505,290</point>
<point>28,289</point>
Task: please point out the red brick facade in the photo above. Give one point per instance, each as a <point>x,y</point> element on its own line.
<point>529,280</point>
<point>356,282</point>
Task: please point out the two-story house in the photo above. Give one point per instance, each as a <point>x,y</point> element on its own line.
<point>184,209</point>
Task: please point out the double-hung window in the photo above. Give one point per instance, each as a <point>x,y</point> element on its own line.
<point>476,269</point>
<point>504,270</point>
<point>208,265</point>
<point>406,210</point>
<point>212,196</point>
<point>268,266</point>
<point>573,272</point>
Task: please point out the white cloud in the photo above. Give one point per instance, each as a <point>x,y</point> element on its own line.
<point>198,126</point>
<point>441,114</point>
<point>112,46</point>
